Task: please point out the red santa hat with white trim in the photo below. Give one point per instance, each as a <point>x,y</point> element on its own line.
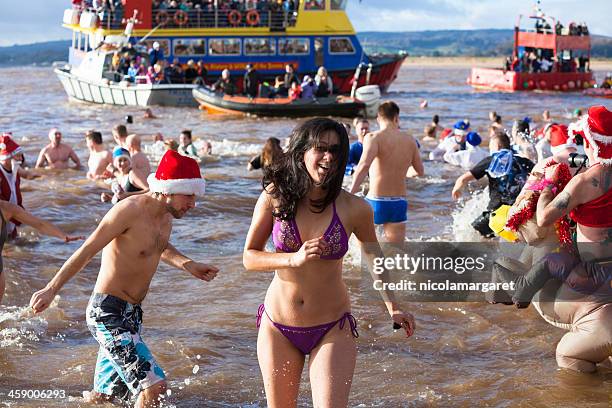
<point>559,138</point>
<point>596,126</point>
<point>8,147</point>
<point>177,174</point>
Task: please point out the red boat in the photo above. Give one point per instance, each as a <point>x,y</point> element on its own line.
<point>548,42</point>
<point>599,92</point>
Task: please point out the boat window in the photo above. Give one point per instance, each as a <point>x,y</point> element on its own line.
<point>164,45</point>
<point>341,45</point>
<point>189,46</point>
<point>224,46</point>
<point>293,46</point>
<point>259,46</point>
<point>314,5</point>
<point>338,4</point>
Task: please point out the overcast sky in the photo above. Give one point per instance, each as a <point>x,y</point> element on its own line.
<point>41,21</point>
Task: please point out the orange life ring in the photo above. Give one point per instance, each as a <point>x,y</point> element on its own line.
<point>252,18</point>
<point>181,18</point>
<point>162,18</point>
<point>234,17</point>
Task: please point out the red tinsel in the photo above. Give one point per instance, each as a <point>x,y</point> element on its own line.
<point>562,226</point>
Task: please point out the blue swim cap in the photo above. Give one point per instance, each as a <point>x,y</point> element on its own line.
<point>462,125</point>
<point>473,138</point>
<point>120,151</point>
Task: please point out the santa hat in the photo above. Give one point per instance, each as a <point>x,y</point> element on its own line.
<point>177,174</point>
<point>8,147</point>
<point>596,126</point>
<point>559,139</point>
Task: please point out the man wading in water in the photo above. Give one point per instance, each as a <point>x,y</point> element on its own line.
<point>133,237</point>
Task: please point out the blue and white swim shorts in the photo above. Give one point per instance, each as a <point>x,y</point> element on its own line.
<point>125,365</point>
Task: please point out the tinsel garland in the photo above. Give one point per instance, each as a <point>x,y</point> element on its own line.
<point>528,210</point>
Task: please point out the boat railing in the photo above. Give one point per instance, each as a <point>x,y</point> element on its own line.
<point>216,18</point>
<point>275,20</point>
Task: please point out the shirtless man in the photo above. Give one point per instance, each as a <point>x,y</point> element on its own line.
<point>120,134</point>
<point>56,154</point>
<point>387,155</point>
<point>140,162</point>
<point>99,157</point>
<point>133,236</point>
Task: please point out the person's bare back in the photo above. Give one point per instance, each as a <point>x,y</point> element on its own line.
<point>97,164</point>
<point>396,152</point>
<point>387,156</point>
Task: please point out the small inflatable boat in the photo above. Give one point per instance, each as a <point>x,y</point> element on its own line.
<point>342,106</point>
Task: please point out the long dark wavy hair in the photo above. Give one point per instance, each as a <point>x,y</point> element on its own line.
<point>289,178</point>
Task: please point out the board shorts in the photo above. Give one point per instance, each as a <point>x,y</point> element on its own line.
<point>125,365</point>
<point>388,209</point>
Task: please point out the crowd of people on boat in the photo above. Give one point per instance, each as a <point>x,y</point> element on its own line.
<point>288,85</point>
<point>542,26</point>
<point>534,61</point>
<point>129,65</point>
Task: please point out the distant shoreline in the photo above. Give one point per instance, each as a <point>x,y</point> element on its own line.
<point>597,64</point>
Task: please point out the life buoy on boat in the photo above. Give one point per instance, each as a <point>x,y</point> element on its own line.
<point>252,18</point>
<point>162,18</point>
<point>234,17</point>
<point>181,18</point>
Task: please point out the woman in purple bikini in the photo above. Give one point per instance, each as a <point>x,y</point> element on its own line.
<point>307,307</point>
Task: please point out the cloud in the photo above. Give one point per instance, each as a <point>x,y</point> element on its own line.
<point>387,15</point>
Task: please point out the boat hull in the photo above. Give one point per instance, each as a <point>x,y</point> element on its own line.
<point>279,107</point>
<point>599,93</point>
<point>510,81</point>
<point>125,94</point>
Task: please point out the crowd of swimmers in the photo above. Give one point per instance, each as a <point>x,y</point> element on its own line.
<point>310,211</point>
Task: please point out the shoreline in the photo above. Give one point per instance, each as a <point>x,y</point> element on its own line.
<point>597,64</point>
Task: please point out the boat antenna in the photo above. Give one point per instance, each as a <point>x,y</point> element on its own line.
<point>149,33</point>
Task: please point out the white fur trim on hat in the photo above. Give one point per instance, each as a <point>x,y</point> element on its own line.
<point>188,186</point>
<point>582,125</point>
<point>560,148</point>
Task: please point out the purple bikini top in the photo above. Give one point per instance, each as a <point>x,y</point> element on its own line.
<point>286,237</point>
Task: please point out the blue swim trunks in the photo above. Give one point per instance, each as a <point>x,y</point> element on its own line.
<point>125,365</point>
<point>388,209</point>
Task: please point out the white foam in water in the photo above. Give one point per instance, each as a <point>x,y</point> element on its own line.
<point>463,216</point>
<point>156,150</point>
<point>18,327</point>
<point>232,148</point>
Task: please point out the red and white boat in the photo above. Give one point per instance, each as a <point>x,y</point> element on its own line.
<point>547,41</point>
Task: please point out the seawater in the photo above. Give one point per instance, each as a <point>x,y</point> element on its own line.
<point>204,334</point>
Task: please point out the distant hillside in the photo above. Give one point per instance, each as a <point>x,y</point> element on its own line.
<point>468,43</point>
<point>43,53</point>
<point>472,43</point>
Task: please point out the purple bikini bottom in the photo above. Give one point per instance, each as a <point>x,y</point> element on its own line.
<point>306,339</point>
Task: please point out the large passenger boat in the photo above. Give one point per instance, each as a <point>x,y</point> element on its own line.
<point>547,57</point>
<point>223,34</point>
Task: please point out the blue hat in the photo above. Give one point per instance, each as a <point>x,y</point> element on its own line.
<point>120,151</point>
<point>473,138</point>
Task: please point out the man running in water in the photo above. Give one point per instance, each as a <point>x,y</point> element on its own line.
<point>56,154</point>
<point>387,155</point>
<point>133,236</point>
